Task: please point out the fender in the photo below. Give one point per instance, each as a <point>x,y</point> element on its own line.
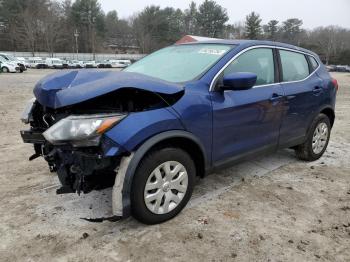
<point>133,161</point>
<point>138,127</point>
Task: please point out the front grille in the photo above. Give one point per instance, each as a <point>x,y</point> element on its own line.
<point>44,117</point>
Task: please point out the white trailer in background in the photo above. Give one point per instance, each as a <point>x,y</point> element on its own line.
<point>119,63</point>
<point>54,63</point>
<point>36,62</point>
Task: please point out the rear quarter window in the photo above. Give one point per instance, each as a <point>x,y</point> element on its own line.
<point>294,66</point>
<point>313,63</point>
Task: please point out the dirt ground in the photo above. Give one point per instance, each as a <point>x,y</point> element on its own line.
<point>274,208</point>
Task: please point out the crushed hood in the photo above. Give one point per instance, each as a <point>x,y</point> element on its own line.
<point>71,87</point>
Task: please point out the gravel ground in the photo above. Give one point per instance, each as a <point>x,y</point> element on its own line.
<point>274,208</point>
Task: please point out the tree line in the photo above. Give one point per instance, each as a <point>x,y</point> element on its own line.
<point>82,26</point>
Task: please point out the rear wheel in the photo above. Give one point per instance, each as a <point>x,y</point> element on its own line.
<point>317,140</point>
<point>162,185</point>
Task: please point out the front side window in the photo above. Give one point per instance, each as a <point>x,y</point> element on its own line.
<point>258,61</point>
<point>294,66</point>
<point>180,63</point>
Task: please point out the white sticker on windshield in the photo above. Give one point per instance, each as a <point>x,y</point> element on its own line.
<point>210,51</point>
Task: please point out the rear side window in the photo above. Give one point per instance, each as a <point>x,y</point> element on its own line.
<point>294,66</point>
<point>313,63</point>
<point>258,61</point>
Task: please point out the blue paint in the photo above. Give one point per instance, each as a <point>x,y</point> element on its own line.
<point>227,123</point>
<point>71,87</point>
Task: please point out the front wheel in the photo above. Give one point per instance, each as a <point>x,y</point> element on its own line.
<point>5,69</point>
<point>317,140</point>
<point>162,185</point>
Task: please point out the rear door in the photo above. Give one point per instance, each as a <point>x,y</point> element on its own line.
<point>246,121</point>
<point>303,90</point>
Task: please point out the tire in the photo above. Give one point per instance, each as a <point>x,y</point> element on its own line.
<point>167,195</point>
<point>309,151</point>
<point>5,69</point>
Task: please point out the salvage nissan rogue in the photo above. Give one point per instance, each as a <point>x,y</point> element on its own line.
<point>178,113</point>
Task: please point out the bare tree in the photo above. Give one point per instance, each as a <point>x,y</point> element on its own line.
<point>51,26</point>
<point>330,41</point>
<point>191,25</point>
<point>27,31</point>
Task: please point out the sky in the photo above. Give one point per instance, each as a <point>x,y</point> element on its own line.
<point>314,13</point>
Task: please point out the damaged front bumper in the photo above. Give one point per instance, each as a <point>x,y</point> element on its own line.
<point>83,169</point>
<point>78,169</point>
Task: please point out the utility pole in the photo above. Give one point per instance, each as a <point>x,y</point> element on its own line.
<point>93,38</point>
<point>76,35</point>
<point>92,20</point>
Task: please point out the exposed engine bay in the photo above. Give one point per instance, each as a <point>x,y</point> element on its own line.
<point>87,166</point>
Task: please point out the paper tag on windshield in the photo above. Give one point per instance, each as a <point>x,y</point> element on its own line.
<point>210,51</point>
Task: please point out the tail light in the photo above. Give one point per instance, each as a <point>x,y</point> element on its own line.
<point>335,83</point>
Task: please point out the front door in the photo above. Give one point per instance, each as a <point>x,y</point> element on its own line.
<point>248,120</point>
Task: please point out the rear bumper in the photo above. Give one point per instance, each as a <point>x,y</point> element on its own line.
<point>13,69</point>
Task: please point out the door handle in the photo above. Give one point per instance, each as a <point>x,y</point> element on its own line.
<point>275,97</point>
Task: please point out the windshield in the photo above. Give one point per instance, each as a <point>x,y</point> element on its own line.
<point>180,63</point>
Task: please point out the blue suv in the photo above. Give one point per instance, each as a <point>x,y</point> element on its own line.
<point>178,113</point>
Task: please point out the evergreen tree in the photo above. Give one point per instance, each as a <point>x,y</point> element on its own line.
<point>271,30</point>
<point>211,18</point>
<point>252,26</point>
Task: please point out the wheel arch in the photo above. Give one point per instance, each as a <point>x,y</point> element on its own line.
<point>187,144</point>
<point>329,112</point>
<point>178,138</point>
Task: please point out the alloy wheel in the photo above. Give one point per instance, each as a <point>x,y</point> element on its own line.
<point>320,137</point>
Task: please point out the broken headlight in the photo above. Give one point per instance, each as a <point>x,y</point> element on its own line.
<point>81,130</point>
<point>27,112</point>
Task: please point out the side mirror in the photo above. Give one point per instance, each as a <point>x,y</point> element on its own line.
<point>239,81</point>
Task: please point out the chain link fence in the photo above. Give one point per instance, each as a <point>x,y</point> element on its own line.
<point>74,56</point>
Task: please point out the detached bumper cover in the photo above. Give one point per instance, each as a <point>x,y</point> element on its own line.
<point>79,169</point>
<point>32,137</point>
